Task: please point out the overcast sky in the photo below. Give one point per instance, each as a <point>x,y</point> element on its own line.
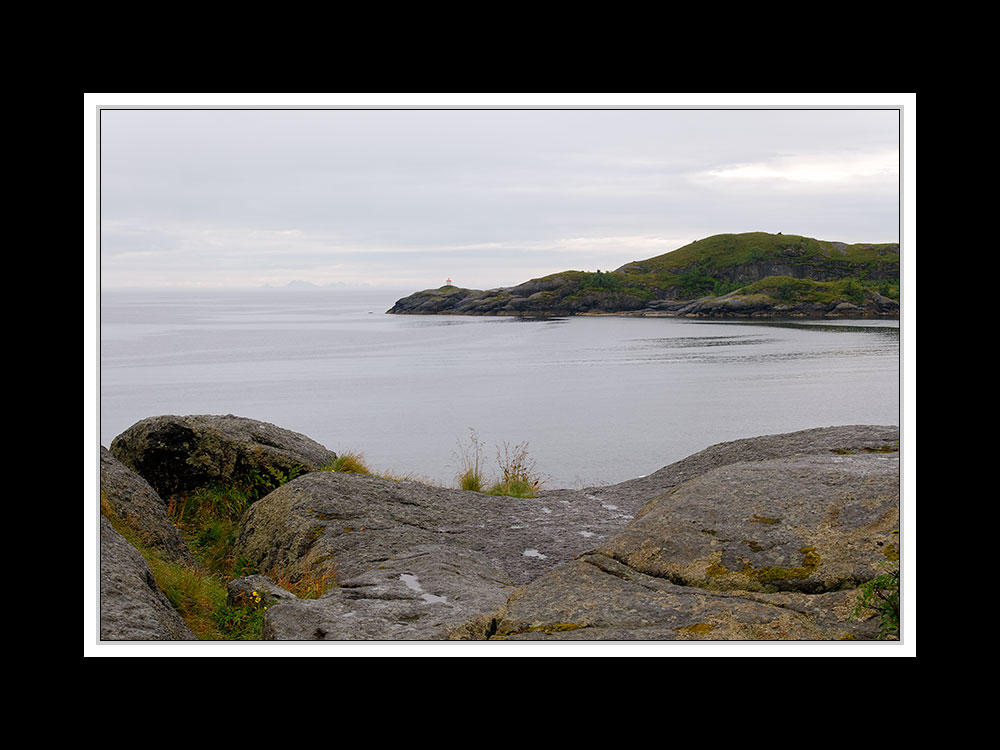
<point>405,198</point>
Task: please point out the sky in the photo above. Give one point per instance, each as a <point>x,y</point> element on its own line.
<point>371,193</point>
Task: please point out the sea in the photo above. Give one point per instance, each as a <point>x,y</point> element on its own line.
<point>591,400</point>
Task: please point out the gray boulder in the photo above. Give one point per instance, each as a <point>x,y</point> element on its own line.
<point>755,539</point>
<point>804,523</point>
<point>179,454</point>
<point>744,544</point>
<point>135,503</point>
<point>132,607</point>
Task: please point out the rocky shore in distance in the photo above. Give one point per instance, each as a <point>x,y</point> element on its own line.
<point>554,298</point>
<point>763,538</point>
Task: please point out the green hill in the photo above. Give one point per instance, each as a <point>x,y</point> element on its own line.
<point>750,274</point>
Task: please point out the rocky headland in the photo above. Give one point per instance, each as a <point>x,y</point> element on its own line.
<point>751,275</point>
<point>765,538</point>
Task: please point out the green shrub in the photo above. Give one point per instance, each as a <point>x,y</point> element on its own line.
<point>242,623</point>
<point>696,282</point>
<point>600,280</point>
<point>888,289</point>
<point>853,292</point>
<point>881,594</point>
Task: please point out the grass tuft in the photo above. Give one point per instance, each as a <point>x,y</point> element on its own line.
<point>518,476</point>
<point>471,476</point>
<point>352,463</point>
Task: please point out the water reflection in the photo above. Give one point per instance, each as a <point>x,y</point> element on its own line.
<point>687,342</point>
<point>878,327</point>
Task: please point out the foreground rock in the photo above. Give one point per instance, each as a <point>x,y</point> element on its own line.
<point>755,539</point>
<point>178,454</point>
<point>429,592</point>
<point>132,607</point>
<point>750,551</point>
<point>358,522</point>
<point>764,538</point>
<point>131,499</point>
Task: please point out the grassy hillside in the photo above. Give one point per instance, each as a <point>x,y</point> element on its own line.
<point>726,263</point>
<point>725,250</point>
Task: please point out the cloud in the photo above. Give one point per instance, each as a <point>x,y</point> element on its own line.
<point>260,196</point>
<point>814,168</point>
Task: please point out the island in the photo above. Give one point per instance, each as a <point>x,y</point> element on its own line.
<point>749,275</point>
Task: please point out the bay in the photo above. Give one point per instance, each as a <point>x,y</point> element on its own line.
<point>597,399</point>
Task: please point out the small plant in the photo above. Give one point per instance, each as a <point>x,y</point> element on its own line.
<point>518,477</point>
<point>881,594</point>
<point>242,622</point>
<point>310,579</point>
<point>349,463</point>
<point>471,476</point>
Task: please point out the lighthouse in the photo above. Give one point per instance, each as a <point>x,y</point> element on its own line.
<point>448,281</point>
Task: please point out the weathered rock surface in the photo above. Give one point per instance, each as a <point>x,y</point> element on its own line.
<point>749,551</point>
<point>596,598</point>
<point>181,453</point>
<point>360,521</point>
<point>136,503</point>
<point>132,607</point>
<point>748,540</point>
<point>754,539</point>
<point>805,523</point>
<point>430,592</point>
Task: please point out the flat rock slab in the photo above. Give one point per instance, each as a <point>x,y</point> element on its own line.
<point>431,592</point>
<point>359,521</point>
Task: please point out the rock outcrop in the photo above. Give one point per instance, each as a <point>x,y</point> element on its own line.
<point>131,498</point>
<point>177,454</point>
<point>132,607</point>
<point>566,300</point>
<point>754,539</point>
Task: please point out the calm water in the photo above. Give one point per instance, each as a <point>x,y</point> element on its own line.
<point>599,400</point>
